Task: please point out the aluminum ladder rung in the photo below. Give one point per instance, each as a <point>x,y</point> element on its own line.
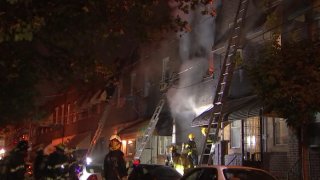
<point>218,103</point>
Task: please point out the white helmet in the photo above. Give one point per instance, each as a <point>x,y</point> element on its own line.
<point>115,137</point>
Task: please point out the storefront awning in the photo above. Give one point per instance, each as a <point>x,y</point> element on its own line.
<point>235,109</point>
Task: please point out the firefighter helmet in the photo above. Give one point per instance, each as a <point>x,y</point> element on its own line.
<point>115,137</point>
<point>204,131</point>
<point>191,136</point>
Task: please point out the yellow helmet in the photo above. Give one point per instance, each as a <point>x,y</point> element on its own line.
<point>204,131</point>
<point>191,136</point>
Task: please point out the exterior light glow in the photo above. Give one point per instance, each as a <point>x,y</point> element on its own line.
<point>88,160</point>
<point>2,151</point>
<point>253,140</point>
<point>124,142</point>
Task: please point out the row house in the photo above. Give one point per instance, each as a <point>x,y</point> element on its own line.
<point>139,92</point>
<point>177,67</point>
<point>189,64</point>
<point>72,118</point>
<point>252,136</point>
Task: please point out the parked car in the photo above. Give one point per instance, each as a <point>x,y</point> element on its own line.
<point>91,172</point>
<point>227,173</point>
<point>153,172</point>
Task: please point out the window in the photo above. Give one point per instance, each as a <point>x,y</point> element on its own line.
<point>165,75</point>
<point>68,114</point>
<point>192,175</point>
<point>246,174</point>
<point>252,146</point>
<point>56,119</point>
<point>62,114</point>
<point>235,134</point>
<point>128,147</point>
<point>165,62</point>
<point>280,131</point>
<point>317,25</point>
<point>164,142</point>
<point>131,147</point>
<point>147,83</point>
<point>209,173</point>
<point>132,82</point>
<point>74,112</point>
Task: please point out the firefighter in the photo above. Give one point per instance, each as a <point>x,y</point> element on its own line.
<point>168,160</point>
<point>110,88</point>
<point>15,163</point>
<point>39,164</point>
<point>176,159</point>
<point>73,164</point>
<point>210,140</point>
<point>180,161</point>
<point>137,171</point>
<point>192,152</point>
<point>114,163</point>
<point>57,164</point>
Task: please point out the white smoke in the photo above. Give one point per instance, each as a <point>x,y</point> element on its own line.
<point>194,49</point>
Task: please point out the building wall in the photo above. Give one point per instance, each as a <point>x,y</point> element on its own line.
<point>274,158</point>
<point>276,163</point>
<point>277,158</point>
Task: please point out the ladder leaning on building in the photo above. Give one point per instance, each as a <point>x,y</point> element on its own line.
<point>223,85</point>
<point>100,127</point>
<point>164,85</point>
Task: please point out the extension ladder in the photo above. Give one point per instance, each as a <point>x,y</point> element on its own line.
<point>223,84</point>
<point>100,127</point>
<point>152,125</point>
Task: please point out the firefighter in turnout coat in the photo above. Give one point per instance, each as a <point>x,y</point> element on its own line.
<point>57,164</point>
<point>14,164</point>
<point>114,163</point>
<point>192,152</point>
